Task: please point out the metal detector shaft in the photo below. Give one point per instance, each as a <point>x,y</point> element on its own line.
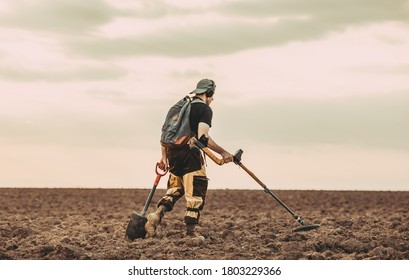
<point>267,190</point>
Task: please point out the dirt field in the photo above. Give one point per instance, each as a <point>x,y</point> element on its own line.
<point>237,224</point>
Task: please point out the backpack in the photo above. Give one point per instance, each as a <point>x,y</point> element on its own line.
<point>176,130</point>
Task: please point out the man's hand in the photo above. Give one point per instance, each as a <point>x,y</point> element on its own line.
<point>163,164</point>
<point>227,157</point>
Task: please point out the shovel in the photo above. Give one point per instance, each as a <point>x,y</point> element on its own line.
<point>237,160</point>
<point>136,225</point>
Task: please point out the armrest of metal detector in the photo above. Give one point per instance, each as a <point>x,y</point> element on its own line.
<point>209,153</point>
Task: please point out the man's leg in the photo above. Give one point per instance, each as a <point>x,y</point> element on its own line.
<point>195,184</point>
<point>174,192</point>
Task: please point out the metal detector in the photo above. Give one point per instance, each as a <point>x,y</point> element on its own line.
<point>237,160</point>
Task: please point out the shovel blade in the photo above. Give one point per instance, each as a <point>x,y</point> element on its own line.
<point>307,227</point>
<point>136,227</point>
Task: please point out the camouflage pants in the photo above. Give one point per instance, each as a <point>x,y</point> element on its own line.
<point>187,177</point>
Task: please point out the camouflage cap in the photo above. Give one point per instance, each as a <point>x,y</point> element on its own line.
<point>204,85</point>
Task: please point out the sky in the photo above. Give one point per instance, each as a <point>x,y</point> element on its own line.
<point>315,92</point>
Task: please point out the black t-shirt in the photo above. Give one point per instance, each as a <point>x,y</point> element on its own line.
<point>200,112</point>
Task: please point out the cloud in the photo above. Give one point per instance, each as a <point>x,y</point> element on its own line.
<point>190,74</point>
<point>153,9</point>
<point>330,12</point>
<point>398,69</point>
<point>81,17</point>
<point>372,122</point>
<point>243,25</point>
<point>376,121</point>
<point>115,97</point>
<point>201,40</point>
<point>215,29</point>
<point>85,73</point>
<point>80,127</point>
<point>68,16</point>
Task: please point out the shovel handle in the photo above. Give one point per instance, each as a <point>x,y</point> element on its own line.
<point>155,184</point>
<point>159,174</point>
<point>158,170</point>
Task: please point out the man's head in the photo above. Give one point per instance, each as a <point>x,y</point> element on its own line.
<point>205,86</point>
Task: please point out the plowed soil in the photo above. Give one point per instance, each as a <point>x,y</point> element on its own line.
<point>238,224</point>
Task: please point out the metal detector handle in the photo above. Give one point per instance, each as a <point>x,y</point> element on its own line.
<point>213,157</point>
<point>209,153</point>
<point>155,184</point>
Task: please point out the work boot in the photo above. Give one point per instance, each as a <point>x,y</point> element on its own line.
<point>154,219</point>
<point>191,232</point>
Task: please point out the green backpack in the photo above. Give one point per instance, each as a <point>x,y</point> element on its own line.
<point>176,130</point>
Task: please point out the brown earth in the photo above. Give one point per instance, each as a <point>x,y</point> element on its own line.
<point>238,224</point>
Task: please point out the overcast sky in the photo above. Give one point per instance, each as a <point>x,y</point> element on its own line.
<point>316,92</point>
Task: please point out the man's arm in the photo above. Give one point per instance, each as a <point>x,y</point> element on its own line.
<point>163,163</point>
<point>203,129</point>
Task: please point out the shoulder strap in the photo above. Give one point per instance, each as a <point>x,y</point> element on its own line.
<point>197,100</point>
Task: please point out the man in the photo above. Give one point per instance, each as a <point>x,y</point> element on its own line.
<point>186,165</point>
